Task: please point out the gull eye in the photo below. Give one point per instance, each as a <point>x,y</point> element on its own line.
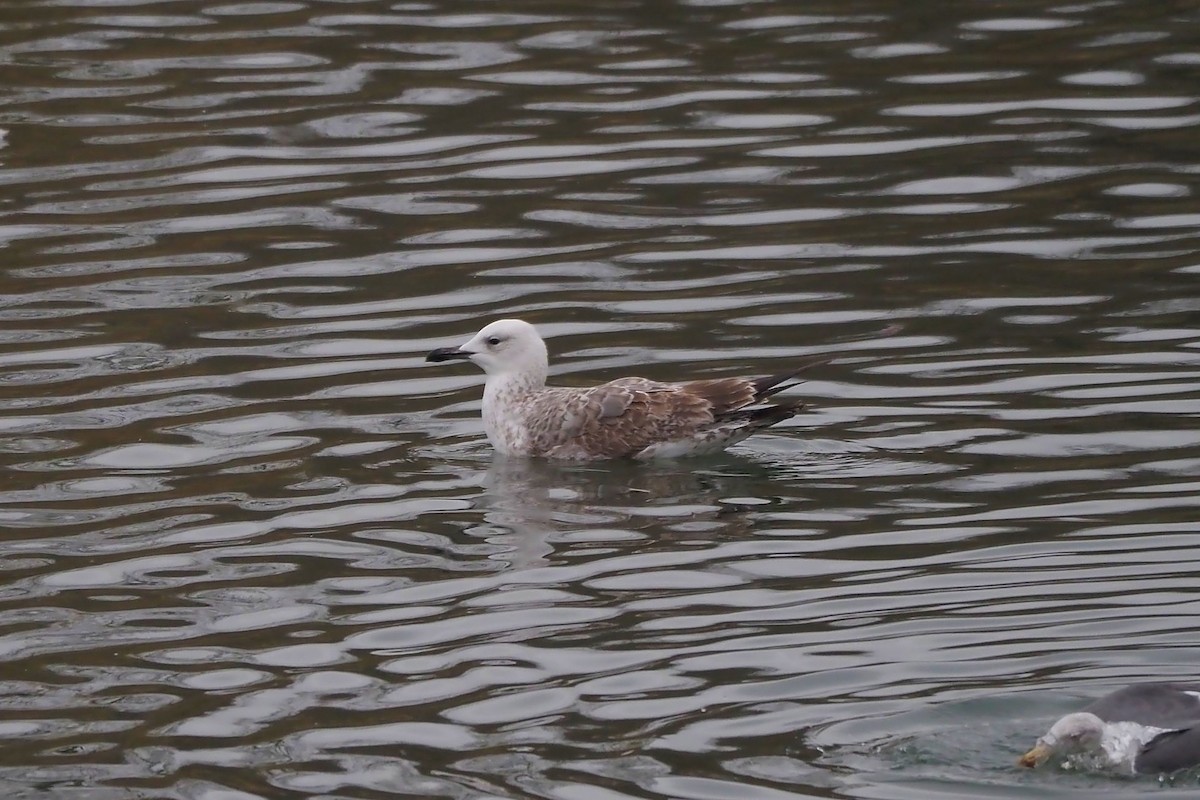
<point>493,340</point>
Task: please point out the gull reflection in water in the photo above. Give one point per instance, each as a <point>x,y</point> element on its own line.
<point>538,512</point>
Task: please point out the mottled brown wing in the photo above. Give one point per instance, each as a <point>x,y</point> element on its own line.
<point>624,417</point>
<point>724,395</point>
<point>730,395</point>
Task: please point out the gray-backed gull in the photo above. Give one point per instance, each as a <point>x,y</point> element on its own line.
<point>1149,728</point>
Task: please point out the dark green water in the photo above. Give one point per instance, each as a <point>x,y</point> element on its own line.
<point>254,547</point>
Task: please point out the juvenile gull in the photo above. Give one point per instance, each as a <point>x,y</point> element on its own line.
<point>625,418</point>
<point>1149,728</point>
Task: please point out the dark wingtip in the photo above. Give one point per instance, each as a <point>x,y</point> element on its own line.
<point>770,415</point>
<point>772,384</point>
<point>446,354</point>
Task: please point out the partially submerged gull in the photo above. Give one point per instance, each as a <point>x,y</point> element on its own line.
<point>626,418</point>
<point>1148,728</point>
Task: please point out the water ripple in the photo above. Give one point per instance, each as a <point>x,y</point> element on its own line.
<point>256,545</point>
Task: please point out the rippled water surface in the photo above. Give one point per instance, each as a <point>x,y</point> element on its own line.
<point>254,547</point>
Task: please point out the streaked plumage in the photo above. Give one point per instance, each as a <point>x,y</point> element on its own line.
<point>625,418</point>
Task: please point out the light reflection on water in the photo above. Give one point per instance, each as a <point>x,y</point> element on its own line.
<point>254,546</point>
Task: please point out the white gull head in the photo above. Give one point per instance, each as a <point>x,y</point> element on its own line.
<point>514,357</point>
<point>509,348</point>
<point>1082,731</point>
<point>1079,731</point>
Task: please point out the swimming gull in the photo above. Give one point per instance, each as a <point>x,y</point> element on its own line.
<point>1149,728</point>
<point>626,418</point>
